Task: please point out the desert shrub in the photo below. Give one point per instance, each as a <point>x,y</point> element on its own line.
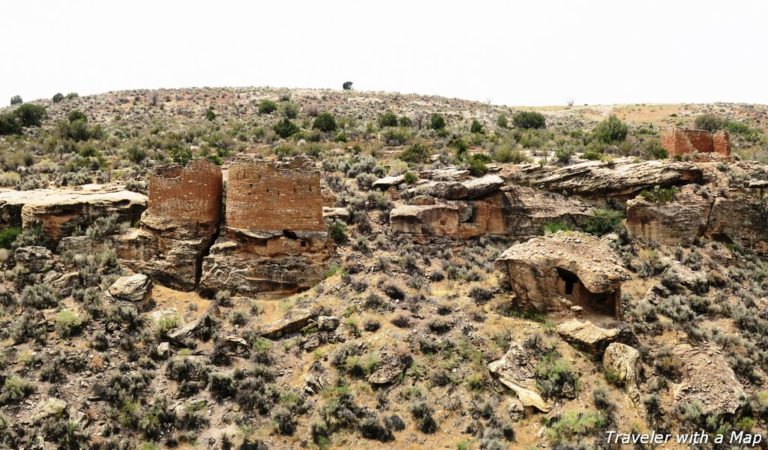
<point>396,136</point>
<point>405,122</point>
<point>437,122</point>
<point>604,221</point>
<point>16,100</point>
<point>652,149</point>
<point>103,227</point>
<point>30,325</point>
<point>68,323</point>
<point>30,115</point>
<point>39,296</point>
<point>529,120</point>
<point>480,295</point>
<point>15,389</point>
<point>410,178</point>
<point>222,386</point>
<point>283,419</point>
<point>210,114</point>
<point>286,128</point>
<point>507,154</point>
<point>477,164</point>
<point>289,110</point>
<point>476,126</point>
<point>9,124</point>
<point>8,236</point>
<point>371,428</point>
<point>267,106</point>
<point>709,122</point>
<point>501,121</point>
<point>338,232</point>
<point>659,194</point>
<point>554,377</point>
<point>554,227</point>
<point>388,119</point>
<point>611,130</point>
<point>58,97</point>
<point>572,425</point>
<point>416,153</point>
<point>563,154</point>
<point>423,413</point>
<point>324,122</point>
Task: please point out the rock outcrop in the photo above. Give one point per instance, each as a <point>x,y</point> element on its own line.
<point>527,210</point>
<point>707,379</point>
<point>670,223</point>
<point>587,336</point>
<point>517,371</point>
<point>622,361</point>
<point>59,212</point>
<point>623,179</point>
<point>135,289</point>
<point>557,271</point>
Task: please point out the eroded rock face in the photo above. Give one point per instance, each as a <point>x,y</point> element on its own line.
<point>677,222</point>
<point>622,179</point>
<point>741,217</point>
<point>517,370</point>
<point>35,259</point>
<point>622,360</point>
<point>707,379</point>
<point>61,211</point>
<point>527,210</point>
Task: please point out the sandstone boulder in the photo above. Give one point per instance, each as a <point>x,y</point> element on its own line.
<point>35,259</point>
<point>587,336</point>
<point>517,370</point>
<point>388,371</point>
<point>293,322</point>
<point>134,288</point>
<point>527,210</point>
<point>387,182</point>
<point>678,222</point>
<point>622,360</point>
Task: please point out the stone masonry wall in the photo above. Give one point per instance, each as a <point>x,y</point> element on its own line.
<point>273,196</point>
<point>190,194</point>
<point>678,141</point>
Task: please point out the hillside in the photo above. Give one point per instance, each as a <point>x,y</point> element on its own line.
<point>342,269</point>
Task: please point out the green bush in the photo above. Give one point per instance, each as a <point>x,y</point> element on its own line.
<point>611,130</point>
<point>477,165</point>
<point>603,222</point>
<point>563,154</point>
<point>58,98</point>
<point>502,121</point>
<point>709,122</point>
<point>388,119</point>
<point>16,100</point>
<point>286,128</point>
<point>476,126</point>
<point>76,115</point>
<point>67,323</point>
<point>405,122</point>
<point>416,153</point>
<point>39,296</point>
<point>554,227</point>
<point>267,106</point>
<point>338,232</point>
<point>437,122</point>
<point>572,425</point>
<point>290,110</point>
<point>30,115</point>
<point>210,114</point>
<point>654,150</point>
<point>659,195</point>
<point>529,120</point>
<point>396,136</point>
<point>507,154</point>
<point>15,389</point>
<point>9,124</point>
<point>324,122</point>
<point>554,377</point>
<point>410,178</point>
<point>8,235</point>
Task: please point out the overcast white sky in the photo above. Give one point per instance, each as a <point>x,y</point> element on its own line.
<point>532,52</point>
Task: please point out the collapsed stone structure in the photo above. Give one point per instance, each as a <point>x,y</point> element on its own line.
<point>274,237</point>
<point>179,226</point>
<point>562,270</point>
<point>680,141</point>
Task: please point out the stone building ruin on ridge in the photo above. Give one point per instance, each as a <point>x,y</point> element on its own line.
<point>680,141</point>
<point>563,270</point>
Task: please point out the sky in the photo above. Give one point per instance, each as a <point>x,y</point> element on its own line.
<point>535,52</point>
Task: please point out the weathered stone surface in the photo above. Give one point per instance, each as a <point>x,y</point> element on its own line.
<point>587,336</point>
<point>740,217</point>
<point>622,360</point>
<point>35,259</point>
<point>163,350</point>
<point>388,371</point>
<point>517,370</point>
<point>248,263</point>
<point>565,265</point>
<point>60,211</point>
<point>480,187</point>
<point>327,323</point>
<point>387,182</point>
<point>527,210</point>
<point>470,189</point>
<point>440,219</point>
<point>291,323</point>
<point>708,379</point>
<point>134,288</point>
<point>63,284</point>
<point>624,178</point>
<point>678,222</point>
<point>234,346</point>
<point>331,214</point>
